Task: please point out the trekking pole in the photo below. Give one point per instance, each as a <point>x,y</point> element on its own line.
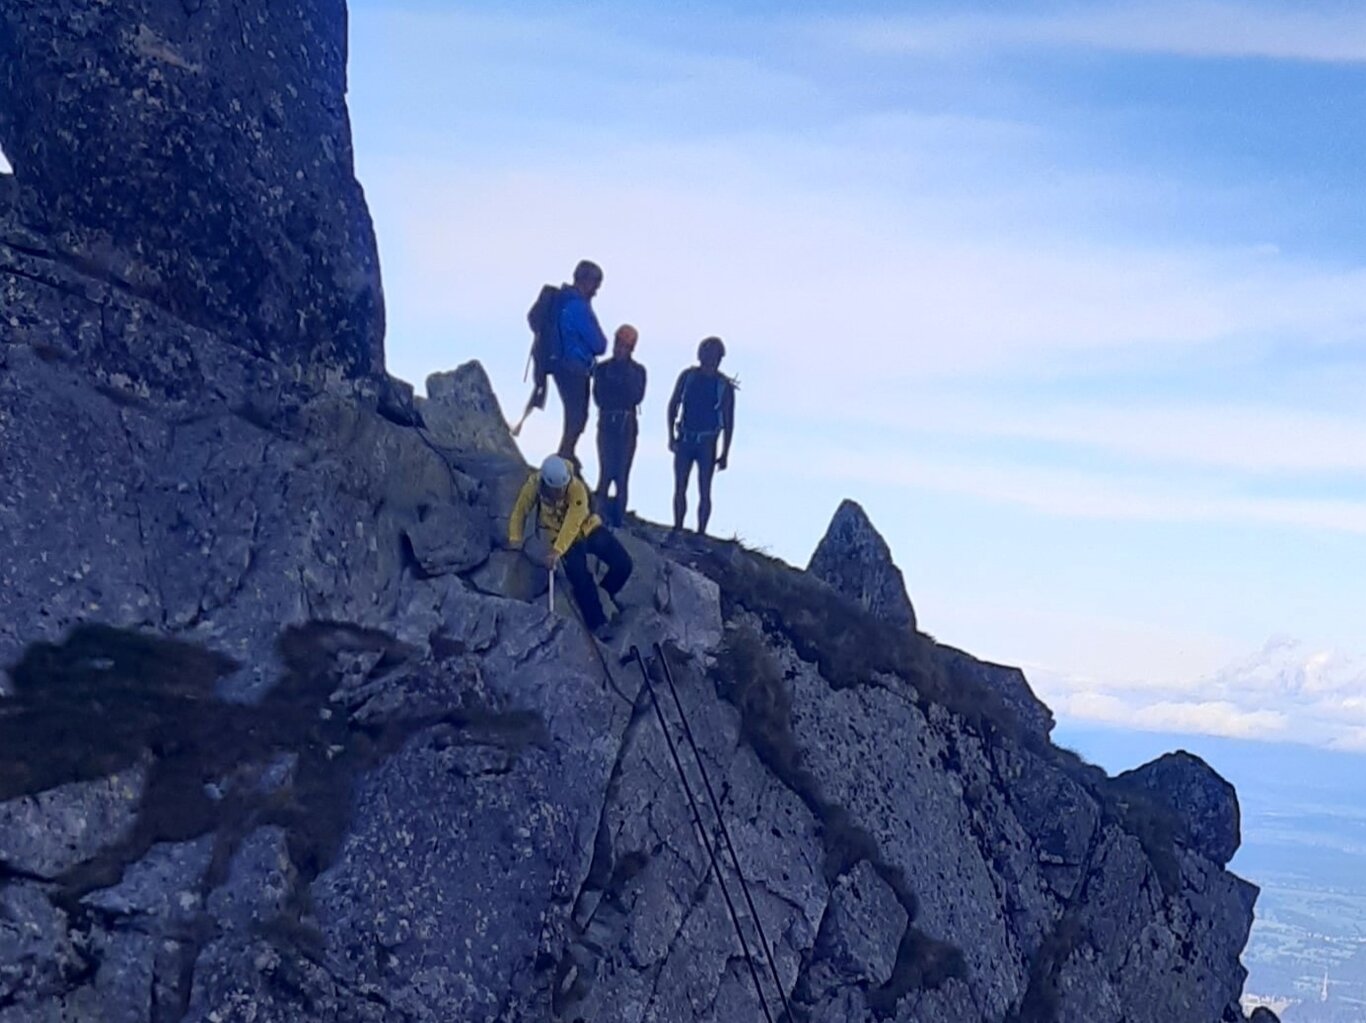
<point>725,831</point>
<point>552,591</point>
<point>702,831</point>
<point>516,428</point>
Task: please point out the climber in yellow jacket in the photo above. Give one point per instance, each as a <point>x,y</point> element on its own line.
<point>563,513</point>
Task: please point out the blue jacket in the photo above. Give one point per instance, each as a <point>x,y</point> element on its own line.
<point>581,339</point>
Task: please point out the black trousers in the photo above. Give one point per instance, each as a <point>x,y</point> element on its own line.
<point>608,549</point>
<point>617,434</point>
<point>572,383</point>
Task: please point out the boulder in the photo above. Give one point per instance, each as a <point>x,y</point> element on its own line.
<point>1008,683</point>
<point>1192,789</point>
<point>198,153</point>
<point>462,413</point>
<point>46,834</point>
<point>855,559</point>
<point>863,926</point>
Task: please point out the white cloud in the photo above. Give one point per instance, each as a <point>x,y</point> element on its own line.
<point>1195,29</point>
<point>1202,718</point>
<point>1287,690</point>
<point>698,242</point>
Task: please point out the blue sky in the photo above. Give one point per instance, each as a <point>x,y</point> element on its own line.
<point>1071,297</point>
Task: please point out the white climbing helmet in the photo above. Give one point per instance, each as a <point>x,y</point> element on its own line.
<point>555,472</point>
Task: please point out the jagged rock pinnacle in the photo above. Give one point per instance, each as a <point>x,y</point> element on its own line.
<point>855,559</point>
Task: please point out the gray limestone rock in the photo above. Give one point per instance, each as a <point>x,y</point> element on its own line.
<point>165,883</point>
<point>863,926</point>
<point>1009,685</point>
<point>1190,788</point>
<point>46,834</point>
<point>38,960</point>
<point>200,156</point>
<point>854,559</point>
<point>462,412</point>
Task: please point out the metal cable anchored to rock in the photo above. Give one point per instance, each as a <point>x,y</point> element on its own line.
<point>702,831</point>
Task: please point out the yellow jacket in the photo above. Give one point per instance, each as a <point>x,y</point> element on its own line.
<point>570,518</point>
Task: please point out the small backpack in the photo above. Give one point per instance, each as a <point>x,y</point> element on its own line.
<point>722,382</point>
<point>544,320</point>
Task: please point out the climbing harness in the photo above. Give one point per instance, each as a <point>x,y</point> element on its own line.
<point>702,831</point>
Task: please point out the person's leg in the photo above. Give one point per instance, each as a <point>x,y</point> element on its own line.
<point>564,387</point>
<point>583,585</point>
<point>682,473</point>
<point>604,546</point>
<point>604,463</point>
<point>706,471</point>
<point>628,457</point>
<point>573,386</point>
<point>610,452</point>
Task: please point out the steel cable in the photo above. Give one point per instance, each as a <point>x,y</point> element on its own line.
<point>702,831</point>
<point>725,832</point>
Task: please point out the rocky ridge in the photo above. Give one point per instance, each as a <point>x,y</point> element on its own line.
<point>286,735</point>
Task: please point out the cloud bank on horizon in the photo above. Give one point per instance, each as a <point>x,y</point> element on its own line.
<point>1071,297</point>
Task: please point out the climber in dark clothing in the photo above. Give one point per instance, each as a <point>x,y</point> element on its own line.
<point>581,341</point>
<point>618,389</point>
<point>706,398</point>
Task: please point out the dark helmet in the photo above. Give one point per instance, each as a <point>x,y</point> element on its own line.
<point>711,351</point>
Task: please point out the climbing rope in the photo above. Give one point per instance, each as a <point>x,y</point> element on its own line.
<point>702,831</point>
<point>725,831</point>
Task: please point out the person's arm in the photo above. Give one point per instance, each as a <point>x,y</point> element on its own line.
<point>520,510</point>
<point>579,329</point>
<point>674,402</point>
<point>597,340</point>
<point>727,425</point>
<point>638,395</point>
<point>598,379</point>
<point>574,518</point>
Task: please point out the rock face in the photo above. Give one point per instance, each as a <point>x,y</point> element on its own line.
<point>1009,685</point>
<point>1206,803</point>
<point>280,741</point>
<point>197,153</point>
<point>462,412</point>
<point>855,559</point>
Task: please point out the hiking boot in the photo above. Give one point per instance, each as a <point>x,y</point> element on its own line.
<point>606,632</point>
